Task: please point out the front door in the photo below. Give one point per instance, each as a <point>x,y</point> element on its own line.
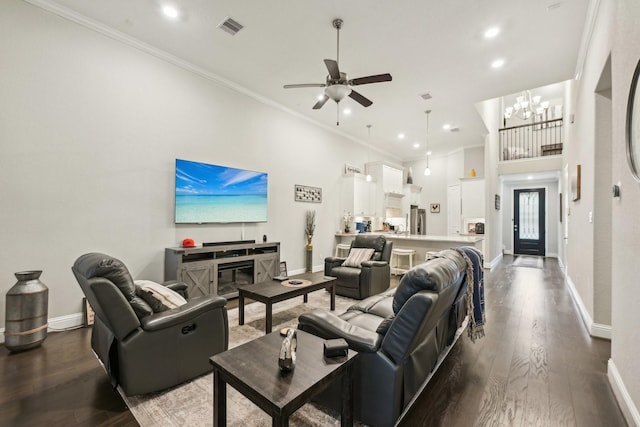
<point>528,222</point>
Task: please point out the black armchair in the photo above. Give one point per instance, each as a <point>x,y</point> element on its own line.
<point>371,277</point>
<point>143,351</point>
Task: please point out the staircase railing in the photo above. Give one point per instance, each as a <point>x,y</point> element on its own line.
<point>531,140</point>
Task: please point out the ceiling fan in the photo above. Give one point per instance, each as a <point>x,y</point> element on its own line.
<point>337,85</point>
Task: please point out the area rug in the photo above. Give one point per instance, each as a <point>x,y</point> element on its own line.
<point>191,404</point>
<point>528,261</point>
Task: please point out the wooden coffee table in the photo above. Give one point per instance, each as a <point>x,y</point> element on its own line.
<point>252,369</point>
<point>273,291</point>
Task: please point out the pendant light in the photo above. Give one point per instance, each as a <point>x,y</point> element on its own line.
<point>368,178</point>
<point>427,171</point>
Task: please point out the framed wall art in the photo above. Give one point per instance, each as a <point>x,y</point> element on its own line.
<point>560,204</point>
<point>575,184</point>
<point>308,194</point>
<point>633,125</point>
<point>350,169</point>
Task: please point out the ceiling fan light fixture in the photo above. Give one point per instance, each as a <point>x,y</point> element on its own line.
<point>337,92</point>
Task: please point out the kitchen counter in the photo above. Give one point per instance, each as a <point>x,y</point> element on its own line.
<point>466,238</point>
<point>421,243</point>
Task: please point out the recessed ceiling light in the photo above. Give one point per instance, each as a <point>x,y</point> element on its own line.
<point>428,153</point>
<point>170,11</point>
<point>529,177</point>
<point>347,111</point>
<point>497,63</point>
<point>319,97</point>
<point>416,145</point>
<point>491,32</point>
<point>446,126</point>
<point>401,136</point>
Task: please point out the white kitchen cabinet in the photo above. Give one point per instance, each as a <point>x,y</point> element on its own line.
<point>389,191</point>
<point>392,179</point>
<point>358,196</point>
<point>412,194</point>
<point>465,202</point>
<point>412,197</point>
<point>472,197</point>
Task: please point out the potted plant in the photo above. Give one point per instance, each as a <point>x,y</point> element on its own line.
<point>308,231</point>
<point>347,218</point>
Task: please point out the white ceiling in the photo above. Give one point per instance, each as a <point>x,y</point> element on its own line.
<point>430,46</point>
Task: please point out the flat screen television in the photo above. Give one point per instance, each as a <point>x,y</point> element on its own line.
<point>218,194</point>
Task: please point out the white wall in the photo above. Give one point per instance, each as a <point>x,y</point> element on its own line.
<point>89,132</point>
<point>474,159</point>
<point>491,113</point>
<point>625,345</point>
<point>615,34</point>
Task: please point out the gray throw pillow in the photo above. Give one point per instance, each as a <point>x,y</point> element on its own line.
<point>357,256</point>
<point>159,297</point>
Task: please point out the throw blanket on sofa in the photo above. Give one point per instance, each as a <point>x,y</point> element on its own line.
<point>475,290</point>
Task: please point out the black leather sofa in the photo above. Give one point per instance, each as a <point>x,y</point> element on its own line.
<point>400,334</point>
<point>371,277</point>
<point>145,351</point>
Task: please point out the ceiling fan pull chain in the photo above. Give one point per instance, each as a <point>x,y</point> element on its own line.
<point>337,114</point>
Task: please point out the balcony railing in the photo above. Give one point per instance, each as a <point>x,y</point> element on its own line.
<point>531,140</point>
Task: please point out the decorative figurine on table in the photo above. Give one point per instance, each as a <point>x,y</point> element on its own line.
<point>287,358</point>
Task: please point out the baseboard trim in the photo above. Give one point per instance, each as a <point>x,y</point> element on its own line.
<point>597,330</point>
<point>493,262</point>
<point>584,314</point>
<point>58,323</point>
<point>625,402</point>
<point>601,331</point>
<point>561,264</point>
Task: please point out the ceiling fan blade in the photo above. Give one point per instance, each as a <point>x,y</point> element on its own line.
<point>304,85</point>
<point>370,79</point>
<point>360,99</point>
<point>320,103</point>
<point>332,66</point>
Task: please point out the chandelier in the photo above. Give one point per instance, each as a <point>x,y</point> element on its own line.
<point>526,106</point>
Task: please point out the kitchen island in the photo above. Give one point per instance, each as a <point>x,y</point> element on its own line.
<point>421,243</point>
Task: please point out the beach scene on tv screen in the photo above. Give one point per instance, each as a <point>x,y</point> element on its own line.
<point>211,193</point>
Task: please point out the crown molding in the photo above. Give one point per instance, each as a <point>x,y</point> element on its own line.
<point>587,34</point>
<point>75,17</point>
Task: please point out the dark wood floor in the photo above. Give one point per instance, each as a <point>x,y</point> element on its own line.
<point>536,366</point>
<point>60,383</point>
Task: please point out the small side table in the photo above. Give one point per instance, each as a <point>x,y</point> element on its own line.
<point>252,369</point>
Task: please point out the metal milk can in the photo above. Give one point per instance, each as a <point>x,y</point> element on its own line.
<point>26,312</point>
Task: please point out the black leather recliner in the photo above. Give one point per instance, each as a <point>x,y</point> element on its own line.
<point>142,351</point>
<point>372,277</point>
<point>400,335</point>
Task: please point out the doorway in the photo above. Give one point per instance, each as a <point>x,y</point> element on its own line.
<point>529,222</point>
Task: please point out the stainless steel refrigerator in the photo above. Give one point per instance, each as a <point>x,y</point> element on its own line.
<point>418,221</point>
